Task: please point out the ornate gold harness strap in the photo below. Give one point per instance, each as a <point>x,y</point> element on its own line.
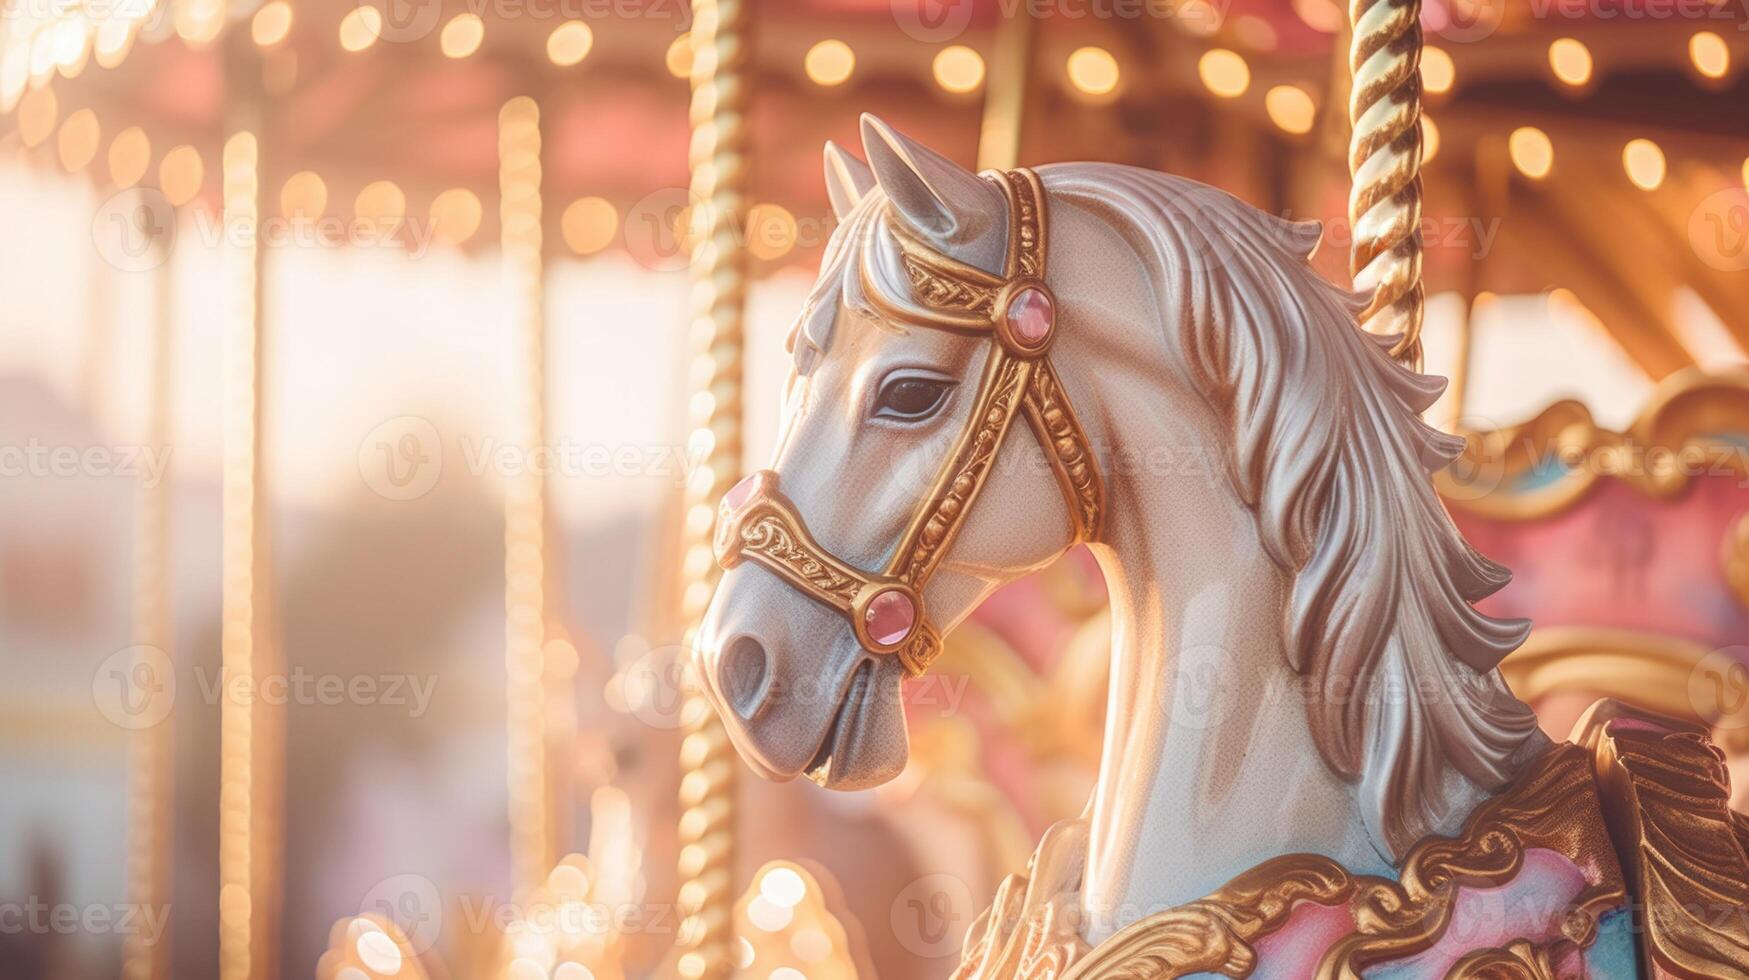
<point>1018,313</point>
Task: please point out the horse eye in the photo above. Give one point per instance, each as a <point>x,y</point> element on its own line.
<point>911,398</point>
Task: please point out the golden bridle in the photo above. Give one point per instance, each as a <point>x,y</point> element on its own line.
<point>1018,313</point>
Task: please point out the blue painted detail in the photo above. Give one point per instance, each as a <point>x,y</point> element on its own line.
<point>1616,953</point>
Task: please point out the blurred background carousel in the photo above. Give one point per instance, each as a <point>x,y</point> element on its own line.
<point>368,371</point>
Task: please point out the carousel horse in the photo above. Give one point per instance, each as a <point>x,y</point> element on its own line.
<point>1311,766</point>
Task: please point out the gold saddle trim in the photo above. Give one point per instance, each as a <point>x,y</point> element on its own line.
<point>1632,790</point>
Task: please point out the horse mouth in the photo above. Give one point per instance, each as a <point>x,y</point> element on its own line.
<point>844,720</point>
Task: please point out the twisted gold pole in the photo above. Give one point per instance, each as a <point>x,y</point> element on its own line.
<point>532,839</point>
<point>1384,159</point>
<point>241,943</point>
<point>719,162</point>
<point>152,754</point>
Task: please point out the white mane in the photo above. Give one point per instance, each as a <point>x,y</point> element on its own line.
<point>1380,617</point>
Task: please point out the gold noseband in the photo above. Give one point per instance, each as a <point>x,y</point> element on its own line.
<point>1018,312</point>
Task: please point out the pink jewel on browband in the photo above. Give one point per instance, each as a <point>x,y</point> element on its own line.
<point>890,617</point>
<point>741,492</point>
<point>1031,315</point>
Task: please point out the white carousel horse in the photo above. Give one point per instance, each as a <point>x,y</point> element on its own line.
<point>1301,692</point>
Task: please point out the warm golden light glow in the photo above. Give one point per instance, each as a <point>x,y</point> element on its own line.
<point>1291,108</point>
<point>78,140</point>
<point>380,200</point>
<point>115,38</point>
<point>360,27</point>
<point>1570,60</point>
<point>36,116</point>
<point>1429,139</point>
<point>1531,152</point>
<point>569,43</point>
<point>180,174</point>
<point>304,196</point>
<point>1644,162</point>
<point>1093,71</point>
<point>1746,171</point>
<point>679,57</point>
<point>1224,72</point>
<point>129,155</point>
<point>455,215</point>
<point>829,62</point>
<point>462,35</point>
<point>1255,32</point>
<point>771,231</point>
<point>1437,71</point>
<point>589,225</point>
<point>1321,15</point>
<point>1198,18</point>
<point>271,23</point>
<point>199,21</point>
<point>958,69</point>
<point>1710,55</point>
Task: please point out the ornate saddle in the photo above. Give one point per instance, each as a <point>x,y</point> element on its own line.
<point>1614,856</point>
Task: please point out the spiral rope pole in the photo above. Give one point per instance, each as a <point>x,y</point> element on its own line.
<point>152,753</point>
<point>1384,161</point>
<point>532,839</point>
<point>719,162</point>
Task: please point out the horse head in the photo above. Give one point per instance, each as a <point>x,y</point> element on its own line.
<point>992,368</point>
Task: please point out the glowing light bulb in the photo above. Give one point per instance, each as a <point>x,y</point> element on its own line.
<point>1093,71</point>
<point>1570,60</point>
<point>1531,151</point>
<point>958,69</point>
<point>829,62</point>
<point>1224,72</point>
<point>1644,162</point>
<point>1290,108</point>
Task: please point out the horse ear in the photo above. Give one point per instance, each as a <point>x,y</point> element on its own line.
<point>847,179</point>
<point>939,199</point>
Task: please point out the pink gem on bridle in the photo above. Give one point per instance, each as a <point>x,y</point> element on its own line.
<point>886,609</point>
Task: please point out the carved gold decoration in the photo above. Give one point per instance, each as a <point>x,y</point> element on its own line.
<point>1029,932</point>
<point>1666,796</point>
<point>1649,669</point>
<point>1519,961</point>
<point>944,511</point>
<point>1384,158</point>
<point>720,163</point>
<point>1552,806</point>
<point>1047,410</point>
<point>766,527</point>
<point>768,530</point>
<point>1679,435</point>
<point>1735,558</point>
<point>947,289</point>
<point>772,538</point>
<point>1214,935</point>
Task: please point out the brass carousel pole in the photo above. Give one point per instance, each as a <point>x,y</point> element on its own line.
<point>245,885</point>
<point>721,79</point>
<point>1005,95</point>
<point>533,841</point>
<point>1384,161</point>
<point>152,753</point>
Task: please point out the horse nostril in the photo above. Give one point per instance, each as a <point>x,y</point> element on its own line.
<point>745,669</point>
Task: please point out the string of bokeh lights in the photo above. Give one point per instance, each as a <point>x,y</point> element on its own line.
<point>66,44</point>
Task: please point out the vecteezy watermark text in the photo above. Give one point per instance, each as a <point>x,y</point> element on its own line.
<point>42,460</point>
